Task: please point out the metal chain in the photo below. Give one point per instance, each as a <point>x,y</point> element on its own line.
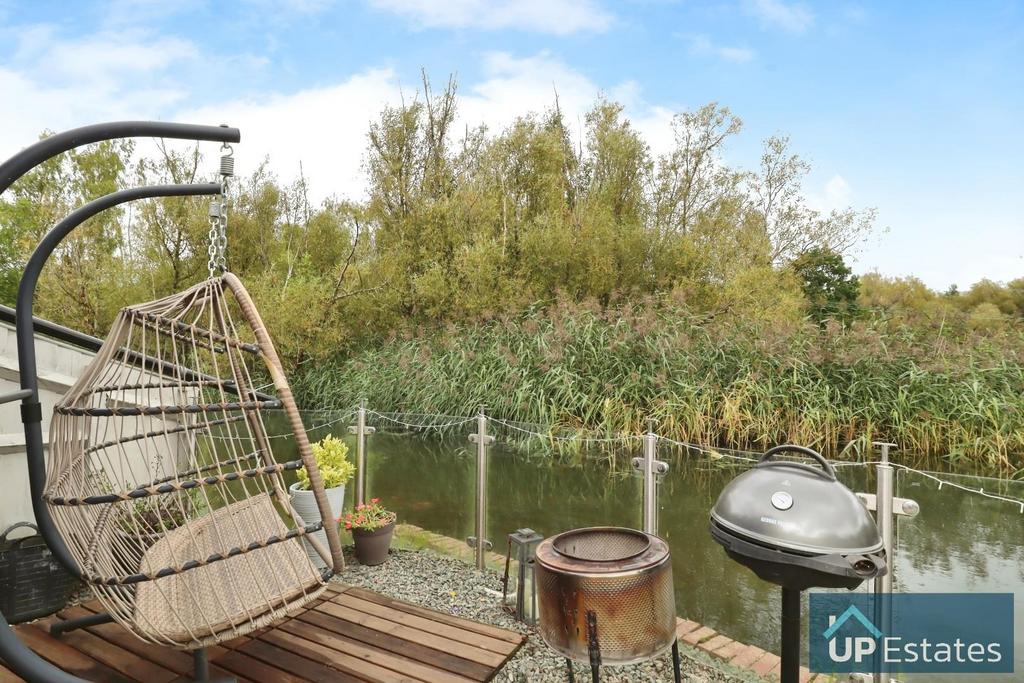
<point>217,238</point>
<point>213,237</point>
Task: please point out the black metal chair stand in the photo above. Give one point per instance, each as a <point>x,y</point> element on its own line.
<point>57,629</point>
<point>201,668</point>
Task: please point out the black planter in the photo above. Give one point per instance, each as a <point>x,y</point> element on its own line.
<point>372,546</point>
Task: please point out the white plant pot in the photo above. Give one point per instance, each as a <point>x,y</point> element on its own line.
<point>304,503</point>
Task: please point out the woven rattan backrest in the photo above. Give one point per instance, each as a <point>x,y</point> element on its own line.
<point>160,455</point>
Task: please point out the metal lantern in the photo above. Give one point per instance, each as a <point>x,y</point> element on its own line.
<point>522,547</point>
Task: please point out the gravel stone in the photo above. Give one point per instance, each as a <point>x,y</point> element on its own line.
<point>449,585</point>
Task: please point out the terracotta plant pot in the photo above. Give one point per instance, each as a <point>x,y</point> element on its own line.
<point>372,546</point>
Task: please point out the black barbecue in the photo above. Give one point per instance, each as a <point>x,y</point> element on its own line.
<point>795,525</point>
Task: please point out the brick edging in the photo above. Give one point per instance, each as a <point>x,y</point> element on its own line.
<point>749,657</point>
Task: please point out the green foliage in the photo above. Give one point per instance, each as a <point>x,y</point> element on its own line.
<point>331,459</point>
<point>829,285</point>
<point>728,380</point>
<point>613,283</point>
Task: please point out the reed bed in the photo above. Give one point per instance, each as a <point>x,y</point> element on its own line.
<point>947,397</point>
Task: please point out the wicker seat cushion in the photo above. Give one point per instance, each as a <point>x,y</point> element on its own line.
<point>226,598</point>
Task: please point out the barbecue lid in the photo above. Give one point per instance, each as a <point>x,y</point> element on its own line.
<point>793,506</point>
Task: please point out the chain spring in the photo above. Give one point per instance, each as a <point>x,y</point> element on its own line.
<point>217,238</point>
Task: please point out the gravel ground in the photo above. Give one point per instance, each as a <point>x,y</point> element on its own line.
<point>449,585</point>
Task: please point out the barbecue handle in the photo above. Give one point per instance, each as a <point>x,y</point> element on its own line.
<point>826,467</point>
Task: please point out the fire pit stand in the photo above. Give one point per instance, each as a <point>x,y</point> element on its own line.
<point>606,598</point>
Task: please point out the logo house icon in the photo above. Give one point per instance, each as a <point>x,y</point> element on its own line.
<point>848,648</point>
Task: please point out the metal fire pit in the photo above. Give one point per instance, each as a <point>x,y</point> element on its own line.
<point>605,596</point>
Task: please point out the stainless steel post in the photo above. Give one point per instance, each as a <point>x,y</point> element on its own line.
<point>885,521</point>
<point>479,542</point>
<point>650,482</point>
<point>361,453</point>
<point>650,469</point>
<point>361,430</point>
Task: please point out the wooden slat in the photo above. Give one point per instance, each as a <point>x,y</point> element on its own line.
<point>119,635</point>
<point>219,673</point>
<point>65,657</point>
<point>397,663</point>
<point>408,633</point>
<point>6,676</point>
<point>400,616</point>
<point>266,662</point>
<point>345,663</point>
<point>174,660</point>
<point>448,660</point>
<point>128,663</point>
<point>347,635</point>
<point>476,627</point>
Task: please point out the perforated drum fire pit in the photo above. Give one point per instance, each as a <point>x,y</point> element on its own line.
<point>605,596</point>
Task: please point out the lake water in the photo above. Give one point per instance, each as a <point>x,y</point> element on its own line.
<point>959,543</point>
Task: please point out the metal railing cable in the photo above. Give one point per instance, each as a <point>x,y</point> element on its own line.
<point>551,436</point>
<point>337,417</point>
<point>453,421</point>
<point>417,421</point>
<point>713,452</point>
<point>980,491</point>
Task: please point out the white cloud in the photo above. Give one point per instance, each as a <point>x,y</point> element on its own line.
<point>53,83</point>
<point>560,17</point>
<point>794,17</point>
<point>29,106</point>
<point>323,129</point>
<point>114,56</point>
<point>835,194</point>
<point>515,86</point>
<point>702,45</point>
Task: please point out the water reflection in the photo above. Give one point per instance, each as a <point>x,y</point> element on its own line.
<point>959,542</point>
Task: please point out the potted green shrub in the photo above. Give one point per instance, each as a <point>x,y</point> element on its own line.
<point>335,470</point>
<point>372,527</point>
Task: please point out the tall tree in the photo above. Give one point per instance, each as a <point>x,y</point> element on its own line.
<point>829,285</point>
<point>792,227</point>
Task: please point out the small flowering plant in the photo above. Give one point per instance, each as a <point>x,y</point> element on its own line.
<point>368,517</point>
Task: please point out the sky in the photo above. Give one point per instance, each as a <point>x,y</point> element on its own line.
<point>913,108</point>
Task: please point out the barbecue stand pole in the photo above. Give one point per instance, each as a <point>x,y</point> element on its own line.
<point>884,519</point>
<point>790,666</point>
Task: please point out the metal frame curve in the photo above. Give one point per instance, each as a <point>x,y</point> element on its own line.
<point>15,654</point>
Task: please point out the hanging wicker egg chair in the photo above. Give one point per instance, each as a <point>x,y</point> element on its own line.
<point>162,481</point>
